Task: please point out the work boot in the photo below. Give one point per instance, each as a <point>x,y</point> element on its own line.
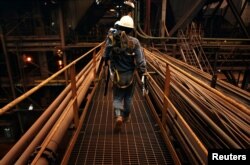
<point>118,124</point>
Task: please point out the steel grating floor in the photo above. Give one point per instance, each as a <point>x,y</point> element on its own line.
<point>139,142</point>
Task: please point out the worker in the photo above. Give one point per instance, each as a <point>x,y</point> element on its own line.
<point>125,55</point>
<point>128,7</point>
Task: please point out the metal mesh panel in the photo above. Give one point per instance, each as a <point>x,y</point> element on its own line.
<point>139,142</point>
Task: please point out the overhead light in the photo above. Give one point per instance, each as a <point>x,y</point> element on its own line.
<point>59,52</point>
<point>112,10</point>
<point>30,107</point>
<point>27,59</point>
<point>60,63</point>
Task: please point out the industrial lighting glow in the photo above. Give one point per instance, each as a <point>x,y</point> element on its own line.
<point>60,62</point>
<point>30,107</point>
<point>59,52</point>
<point>28,59</point>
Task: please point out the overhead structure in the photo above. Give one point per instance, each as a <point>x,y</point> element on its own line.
<point>198,55</point>
<point>185,13</point>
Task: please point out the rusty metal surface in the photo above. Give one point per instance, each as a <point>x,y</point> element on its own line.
<point>139,142</point>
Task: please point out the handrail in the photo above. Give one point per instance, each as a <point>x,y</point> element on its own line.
<point>243,96</point>
<point>235,103</point>
<point>50,122</point>
<point>202,151</point>
<point>198,99</point>
<point>33,90</point>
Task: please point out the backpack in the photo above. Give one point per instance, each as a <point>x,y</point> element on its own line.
<point>121,46</point>
<point>120,42</point>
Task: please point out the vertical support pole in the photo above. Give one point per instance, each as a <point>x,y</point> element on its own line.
<point>214,76</point>
<point>7,64</point>
<point>147,18</point>
<point>10,77</point>
<point>62,36</point>
<point>214,81</point>
<point>94,64</point>
<point>174,50</point>
<point>163,18</point>
<point>74,95</point>
<point>43,63</point>
<point>166,93</point>
<point>246,79</point>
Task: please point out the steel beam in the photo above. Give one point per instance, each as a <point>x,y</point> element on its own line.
<point>238,18</point>
<point>188,16</point>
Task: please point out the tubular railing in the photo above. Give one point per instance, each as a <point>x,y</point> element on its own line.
<point>40,142</point>
<point>160,92</point>
<point>228,89</point>
<point>188,107</point>
<point>192,51</point>
<point>196,40</point>
<point>188,53</point>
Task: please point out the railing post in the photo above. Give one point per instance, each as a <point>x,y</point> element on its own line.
<point>166,93</point>
<point>74,94</point>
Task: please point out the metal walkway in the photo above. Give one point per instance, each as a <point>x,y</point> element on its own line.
<point>139,142</point>
<point>180,99</point>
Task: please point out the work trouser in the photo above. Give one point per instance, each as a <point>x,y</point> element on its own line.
<point>122,99</point>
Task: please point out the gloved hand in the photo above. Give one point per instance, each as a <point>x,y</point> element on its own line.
<point>144,85</point>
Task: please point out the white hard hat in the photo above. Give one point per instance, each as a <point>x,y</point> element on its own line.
<point>131,4</point>
<point>126,21</point>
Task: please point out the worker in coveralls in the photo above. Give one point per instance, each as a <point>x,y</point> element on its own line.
<point>126,55</point>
